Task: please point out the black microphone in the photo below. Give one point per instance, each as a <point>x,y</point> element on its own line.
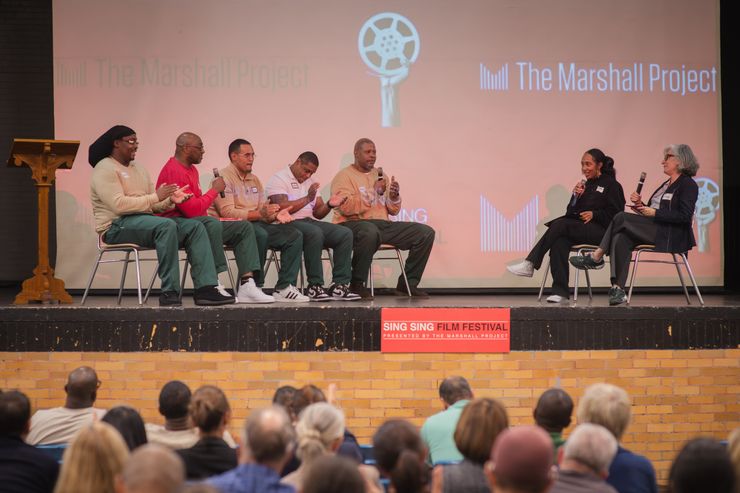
<point>574,199</point>
<point>380,173</point>
<point>640,183</point>
<point>215,173</point>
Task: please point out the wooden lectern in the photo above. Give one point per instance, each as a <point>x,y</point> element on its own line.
<point>44,157</point>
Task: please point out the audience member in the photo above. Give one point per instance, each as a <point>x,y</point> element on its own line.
<point>481,422</point>
<point>400,456</point>
<point>332,474</point>
<point>211,455</point>
<point>129,424</point>
<point>552,414</point>
<point>284,397</point>
<point>152,469</point>
<point>702,466</point>
<point>438,429</point>
<point>178,431</point>
<point>268,441</point>
<point>58,425</point>
<point>733,447</point>
<point>521,461</point>
<point>92,461</point>
<point>585,460</point>
<point>609,406</point>
<point>23,468</point>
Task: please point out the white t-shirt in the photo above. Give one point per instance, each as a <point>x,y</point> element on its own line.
<point>58,425</point>
<point>284,183</point>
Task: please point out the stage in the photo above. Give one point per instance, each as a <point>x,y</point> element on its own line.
<point>652,321</point>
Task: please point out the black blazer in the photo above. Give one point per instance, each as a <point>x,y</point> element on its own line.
<point>673,218</point>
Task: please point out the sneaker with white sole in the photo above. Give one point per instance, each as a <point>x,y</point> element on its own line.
<point>289,295</point>
<point>525,268</point>
<point>342,292</point>
<point>222,289</point>
<point>556,298</point>
<point>250,293</point>
<point>316,292</point>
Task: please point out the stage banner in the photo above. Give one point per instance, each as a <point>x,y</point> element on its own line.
<point>445,330</point>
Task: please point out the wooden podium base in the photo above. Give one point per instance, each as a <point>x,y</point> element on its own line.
<point>43,287</point>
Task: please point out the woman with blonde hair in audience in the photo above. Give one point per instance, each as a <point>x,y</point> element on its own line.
<point>211,455</point>
<point>319,432</point>
<point>92,461</point>
<point>400,455</point>
<point>480,423</point>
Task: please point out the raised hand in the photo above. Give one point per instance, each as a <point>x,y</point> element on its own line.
<point>336,200</point>
<point>165,190</point>
<point>181,195</point>
<point>395,189</point>
<point>312,191</point>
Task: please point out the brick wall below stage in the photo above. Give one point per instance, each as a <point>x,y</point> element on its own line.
<point>676,394</point>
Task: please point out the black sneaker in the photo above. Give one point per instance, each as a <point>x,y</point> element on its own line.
<point>209,296</point>
<point>415,292</point>
<point>617,296</point>
<point>169,298</point>
<point>360,289</point>
<point>316,292</point>
<point>586,262</point>
<point>342,292</point>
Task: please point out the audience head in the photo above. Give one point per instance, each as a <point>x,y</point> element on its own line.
<point>82,387</point>
<point>319,430</point>
<point>174,400</point>
<point>400,455</point>
<point>284,397</point>
<point>733,447</point>
<point>15,413</point>
<point>481,422</point>
<point>521,460</point>
<point>269,437</point>
<point>702,466</point>
<point>606,405</point>
<point>129,424</point>
<point>553,410</point>
<point>333,474</point>
<point>209,409</point>
<point>592,446</point>
<point>606,162</point>
<point>152,469</point>
<point>304,397</point>
<point>92,461</point>
<point>453,389</point>
<point>687,162</point>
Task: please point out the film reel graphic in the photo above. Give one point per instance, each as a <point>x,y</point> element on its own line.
<point>707,205</point>
<point>388,44</point>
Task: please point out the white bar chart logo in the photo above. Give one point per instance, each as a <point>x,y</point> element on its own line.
<point>499,234</point>
<point>494,81</point>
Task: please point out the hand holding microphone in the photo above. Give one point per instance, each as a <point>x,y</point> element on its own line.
<point>578,191</point>
<point>218,184</point>
<point>380,182</point>
<point>635,196</point>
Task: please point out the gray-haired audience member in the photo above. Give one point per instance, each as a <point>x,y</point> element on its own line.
<point>609,406</point>
<point>702,466</point>
<point>22,467</point>
<point>438,430</point>
<point>584,461</point>
<point>552,413</point>
<point>58,425</point>
<point>521,461</point>
<point>268,439</point>
<point>152,469</point>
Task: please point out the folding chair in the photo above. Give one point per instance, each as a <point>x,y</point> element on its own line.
<point>683,260</point>
<point>578,250</point>
<point>389,248</point>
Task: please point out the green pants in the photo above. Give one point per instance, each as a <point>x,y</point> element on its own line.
<point>167,236</point>
<point>238,235</point>
<point>289,242</point>
<point>318,235</point>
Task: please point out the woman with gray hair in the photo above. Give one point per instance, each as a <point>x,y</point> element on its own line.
<point>665,221</point>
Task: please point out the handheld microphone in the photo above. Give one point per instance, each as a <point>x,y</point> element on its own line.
<point>380,173</point>
<point>215,173</point>
<point>641,182</point>
<point>574,199</point>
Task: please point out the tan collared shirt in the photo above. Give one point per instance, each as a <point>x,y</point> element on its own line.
<point>242,195</point>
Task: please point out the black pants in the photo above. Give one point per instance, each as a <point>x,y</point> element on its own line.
<point>563,233</point>
<point>624,233</point>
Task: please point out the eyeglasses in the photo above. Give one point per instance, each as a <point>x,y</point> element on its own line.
<point>133,142</point>
<point>249,154</point>
<point>665,158</point>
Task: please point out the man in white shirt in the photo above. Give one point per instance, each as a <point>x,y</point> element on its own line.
<point>294,189</point>
<point>58,425</point>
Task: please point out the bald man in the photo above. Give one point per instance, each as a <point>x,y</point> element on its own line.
<point>58,425</point>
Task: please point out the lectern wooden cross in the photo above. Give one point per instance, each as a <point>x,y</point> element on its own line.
<point>44,157</point>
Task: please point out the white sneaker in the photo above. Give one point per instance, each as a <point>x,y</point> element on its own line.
<point>525,268</point>
<point>250,293</point>
<point>222,290</point>
<point>556,298</point>
<point>289,295</point>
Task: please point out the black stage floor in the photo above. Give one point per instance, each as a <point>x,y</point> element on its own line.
<point>653,321</point>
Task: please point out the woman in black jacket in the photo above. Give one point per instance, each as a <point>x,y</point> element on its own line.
<point>664,221</point>
<point>595,201</point>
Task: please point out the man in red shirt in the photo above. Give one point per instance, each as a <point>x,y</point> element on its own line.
<point>239,235</point>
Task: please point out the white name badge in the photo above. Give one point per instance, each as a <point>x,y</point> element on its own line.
<point>294,185</point>
<point>667,196</point>
<point>254,190</point>
<point>600,189</point>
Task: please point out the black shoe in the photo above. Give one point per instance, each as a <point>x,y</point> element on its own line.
<point>209,296</point>
<point>617,296</point>
<point>415,292</point>
<point>360,289</point>
<point>169,298</point>
<point>586,262</point>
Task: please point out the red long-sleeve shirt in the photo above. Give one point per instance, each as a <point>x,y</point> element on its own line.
<point>197,205</point>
